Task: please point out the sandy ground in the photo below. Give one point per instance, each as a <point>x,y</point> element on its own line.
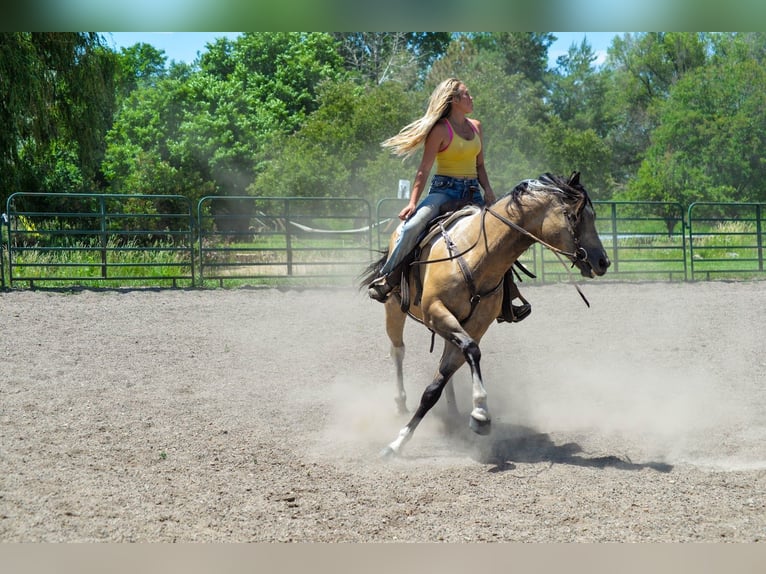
<point>257,416</point>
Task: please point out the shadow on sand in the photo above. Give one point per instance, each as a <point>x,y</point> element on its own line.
<point>509,444</point>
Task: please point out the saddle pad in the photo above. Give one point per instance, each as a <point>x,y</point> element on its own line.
<point>445,221</point>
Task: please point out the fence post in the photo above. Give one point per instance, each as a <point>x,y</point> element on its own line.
<point>102,214</point>
<point>759,236</point>
<point>615,239</point>
<point>288,239</point>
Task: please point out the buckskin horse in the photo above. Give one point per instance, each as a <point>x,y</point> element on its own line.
<point>455,285</point>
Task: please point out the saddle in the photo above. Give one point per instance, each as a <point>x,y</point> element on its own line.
<point>509,313</point>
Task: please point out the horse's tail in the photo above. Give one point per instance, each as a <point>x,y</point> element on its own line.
<point>372,271</point>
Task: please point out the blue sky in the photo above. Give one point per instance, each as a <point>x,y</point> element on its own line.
<point>184,46</point>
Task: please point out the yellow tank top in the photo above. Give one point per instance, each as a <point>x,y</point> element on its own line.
<point>458,159</point>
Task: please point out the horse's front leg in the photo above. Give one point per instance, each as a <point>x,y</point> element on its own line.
<point>450,328</point>
<point>480,421</point>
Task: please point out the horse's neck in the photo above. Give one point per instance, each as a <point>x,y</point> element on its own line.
<point>505,239</point>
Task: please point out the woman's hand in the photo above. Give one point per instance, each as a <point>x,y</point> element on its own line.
<point>405,213</point>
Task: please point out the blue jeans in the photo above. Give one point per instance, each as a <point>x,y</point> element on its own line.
<point>444,190</point>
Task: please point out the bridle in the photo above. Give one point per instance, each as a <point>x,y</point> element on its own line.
<point>579,254</point>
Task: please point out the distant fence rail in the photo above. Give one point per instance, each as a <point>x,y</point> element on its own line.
<point>153,240</point>
<point>243,238</point>
<point>726,239</point>
<point>95,239</point>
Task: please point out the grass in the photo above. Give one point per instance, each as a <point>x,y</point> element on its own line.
<point>722,251</point>
<point>88,264</point>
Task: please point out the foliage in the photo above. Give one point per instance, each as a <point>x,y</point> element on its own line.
<point>709,141</point>
<point>58,99</point>
<point>332,158</point>
<point>670,116</point>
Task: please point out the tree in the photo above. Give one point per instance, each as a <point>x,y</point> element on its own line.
<point>58,100</point>
<point>525,53</point>
<point>710,139</point>
<point>580,122</point>
<point>337,152</point>
<point>212,129</point>
<point>379,57</point>
<point>642,68</point>
<point>139,65</point>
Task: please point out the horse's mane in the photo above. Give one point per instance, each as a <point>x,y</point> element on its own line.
<point>570,190</point>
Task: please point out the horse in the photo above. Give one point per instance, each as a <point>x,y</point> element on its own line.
<point>457,281</point>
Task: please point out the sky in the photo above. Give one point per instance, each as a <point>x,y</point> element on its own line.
<point>184,46</point>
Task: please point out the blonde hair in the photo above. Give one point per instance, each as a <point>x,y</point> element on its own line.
<point>411,136</point>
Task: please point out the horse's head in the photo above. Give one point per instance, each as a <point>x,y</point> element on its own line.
<point>570,225</point>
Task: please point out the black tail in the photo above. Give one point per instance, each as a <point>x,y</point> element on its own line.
<point>372,271</point>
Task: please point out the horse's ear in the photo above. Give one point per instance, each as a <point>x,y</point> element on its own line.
<point>574,179</point>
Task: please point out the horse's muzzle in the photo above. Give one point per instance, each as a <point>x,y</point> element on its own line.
<point>590,266</point>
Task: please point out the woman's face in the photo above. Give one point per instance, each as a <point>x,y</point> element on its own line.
<point>463,99</point>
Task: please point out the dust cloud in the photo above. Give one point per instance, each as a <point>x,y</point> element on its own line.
<point>647,387</point>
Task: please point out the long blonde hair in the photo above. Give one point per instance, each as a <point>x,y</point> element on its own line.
<point>414,134</point>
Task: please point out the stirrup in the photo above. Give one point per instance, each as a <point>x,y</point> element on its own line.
<point>379,290</point>
<point>518,312</point>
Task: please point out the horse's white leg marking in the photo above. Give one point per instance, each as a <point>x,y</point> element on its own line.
<point>480,418</point>
<point>397,354</point>
<point>404,435</point>
<point>480,411</point>
<point>449,396</point>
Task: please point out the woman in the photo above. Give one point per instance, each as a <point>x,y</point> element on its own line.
<point>454,142</point>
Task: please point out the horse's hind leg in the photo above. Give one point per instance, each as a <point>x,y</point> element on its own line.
<point>395,320</point>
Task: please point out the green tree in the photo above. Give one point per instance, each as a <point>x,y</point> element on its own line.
<point>139,65</point>
<point>58,100</point>
<point>643,67</point>
<point>710,139</point>
<point>212,129</point>
<point>580,121</point>
<point>379,57</point>
<point>524,53</point>
<point>337,152</point>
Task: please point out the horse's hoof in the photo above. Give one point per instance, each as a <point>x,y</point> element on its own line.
<point>387,453</point>
<point>480,427</point>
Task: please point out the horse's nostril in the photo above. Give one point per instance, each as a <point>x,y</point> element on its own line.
<point>604,262</point>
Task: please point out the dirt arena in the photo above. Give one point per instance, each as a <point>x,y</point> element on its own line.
<point>257,415</point>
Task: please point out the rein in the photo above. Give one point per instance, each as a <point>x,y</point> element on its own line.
<point>579,252</point>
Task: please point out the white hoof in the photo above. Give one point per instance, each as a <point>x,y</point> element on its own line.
<point>387,453</point>
<point>479,422</point>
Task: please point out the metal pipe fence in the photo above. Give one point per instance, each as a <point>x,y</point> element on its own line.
<point>145,240</point>
<point>96,239</point>
<point>278,238</point>
<point>726,239</point>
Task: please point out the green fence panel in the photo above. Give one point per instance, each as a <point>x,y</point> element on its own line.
<point>645,240</point>
<point>726,240</point>
<point>283,238</point>
<point>61,239</point>
<point>57,239</point>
